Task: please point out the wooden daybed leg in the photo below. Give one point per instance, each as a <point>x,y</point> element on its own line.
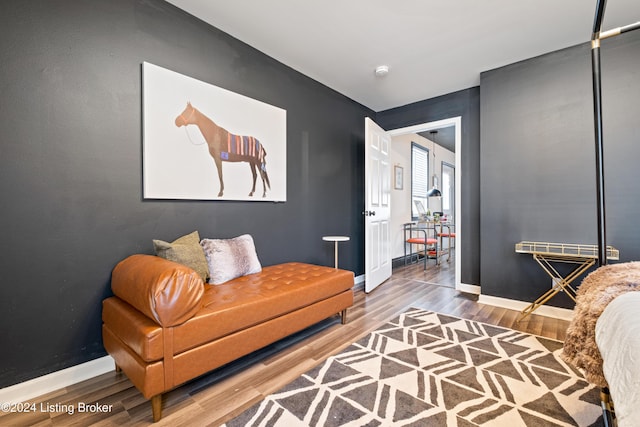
<point>156,407</point>
<point>343,315</point>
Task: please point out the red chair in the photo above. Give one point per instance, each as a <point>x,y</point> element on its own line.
<point>414,235</point>
<point>449,235</point>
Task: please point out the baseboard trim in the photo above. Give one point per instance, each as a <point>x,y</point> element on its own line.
<point>27,390</point>
<point>358,279</point>
<point>470,289</point>
<point>544,310</point>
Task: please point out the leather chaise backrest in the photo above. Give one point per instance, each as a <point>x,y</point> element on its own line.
<point>165,291</point>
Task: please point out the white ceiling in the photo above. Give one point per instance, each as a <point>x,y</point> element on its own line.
<point>432,47</point>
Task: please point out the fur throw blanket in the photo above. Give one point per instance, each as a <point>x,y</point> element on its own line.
<point>597,290</point>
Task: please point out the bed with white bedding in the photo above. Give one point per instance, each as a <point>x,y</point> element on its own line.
<point>618,339</point>
<point>595,293</point>
<point>619,335</point>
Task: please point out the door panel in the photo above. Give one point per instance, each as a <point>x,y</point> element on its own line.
<point>377,205</point>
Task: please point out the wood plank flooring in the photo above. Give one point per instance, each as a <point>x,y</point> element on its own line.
<point>221,395</point>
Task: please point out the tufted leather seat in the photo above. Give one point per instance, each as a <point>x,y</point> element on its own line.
<point>164,326</point>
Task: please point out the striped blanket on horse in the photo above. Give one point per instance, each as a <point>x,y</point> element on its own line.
<point>244,146</point>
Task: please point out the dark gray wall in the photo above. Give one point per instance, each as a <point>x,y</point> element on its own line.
<point>70,165</point>
<point>466,104</point>
<point>538,161</point>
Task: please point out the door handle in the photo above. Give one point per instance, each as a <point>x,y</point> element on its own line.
<point>369,213</point>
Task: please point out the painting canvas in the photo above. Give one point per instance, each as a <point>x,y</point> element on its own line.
<point>203,142</point>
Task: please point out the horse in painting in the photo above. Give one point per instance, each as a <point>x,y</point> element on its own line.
<point>227,147</point>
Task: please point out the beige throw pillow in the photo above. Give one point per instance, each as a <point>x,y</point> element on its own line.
<point>187,251</point>
<point>230,258</point>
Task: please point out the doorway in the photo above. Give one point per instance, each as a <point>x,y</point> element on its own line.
<point>454,122</point>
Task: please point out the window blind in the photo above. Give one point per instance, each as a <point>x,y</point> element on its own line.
<point>419,171</point>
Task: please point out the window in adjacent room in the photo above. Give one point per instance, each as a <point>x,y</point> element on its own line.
<point>419,177</point>
<point>448,190</point>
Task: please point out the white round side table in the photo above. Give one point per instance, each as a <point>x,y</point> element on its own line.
<point>335,239</point>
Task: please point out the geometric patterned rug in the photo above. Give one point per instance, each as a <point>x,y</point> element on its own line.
<point>429,369</point>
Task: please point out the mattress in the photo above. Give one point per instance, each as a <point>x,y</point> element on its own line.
<point>618,339</point>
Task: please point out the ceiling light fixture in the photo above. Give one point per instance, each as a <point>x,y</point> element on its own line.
<point>434,192</point>
<point>382,70</point>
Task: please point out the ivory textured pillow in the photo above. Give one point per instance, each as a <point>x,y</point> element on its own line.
<point>230,258</point>
<point>187,251</point>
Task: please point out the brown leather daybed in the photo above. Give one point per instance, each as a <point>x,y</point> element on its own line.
<point>165,326</point>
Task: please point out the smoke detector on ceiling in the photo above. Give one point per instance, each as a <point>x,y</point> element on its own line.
<point>382,70</point>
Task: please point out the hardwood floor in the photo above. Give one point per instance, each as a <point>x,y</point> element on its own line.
<point>221,395</point>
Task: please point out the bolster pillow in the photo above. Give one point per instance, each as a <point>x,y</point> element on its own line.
<point>168,292</point>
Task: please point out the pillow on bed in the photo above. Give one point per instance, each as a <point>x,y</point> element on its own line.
<point>186,251</point>
<point>230,258</point>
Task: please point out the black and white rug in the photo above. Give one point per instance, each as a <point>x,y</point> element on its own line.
<point>429,369</point>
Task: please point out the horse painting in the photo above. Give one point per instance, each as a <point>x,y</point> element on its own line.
<point>227,147</point>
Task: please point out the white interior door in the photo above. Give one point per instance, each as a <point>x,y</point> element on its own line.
<point>377,200</point>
